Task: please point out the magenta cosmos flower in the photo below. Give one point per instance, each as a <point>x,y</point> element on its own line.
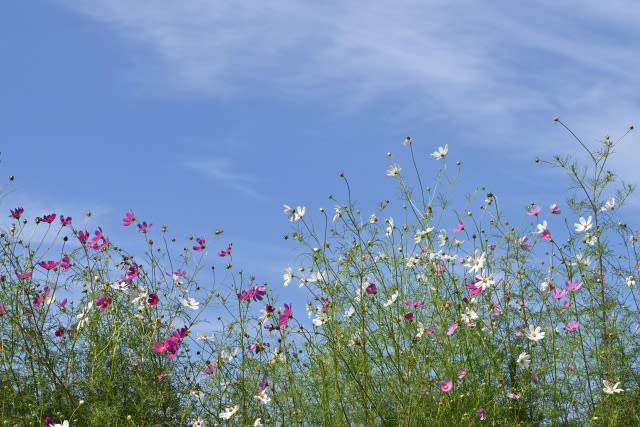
<point>372,289</point>
<point>129,218</point>
<point>459,227</point>
<point>201,244</point>
<point>446,385</point>
<point>16,213</point>
<point>482,413</point>
<point>103,302</point>
<point>572,326</point>
<point>256,293</point>
<point>283,320</point>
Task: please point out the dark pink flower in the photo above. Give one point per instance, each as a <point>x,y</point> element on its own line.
<point>475,289</point>
<point>65,220</point>
<point>144,227</point>
<point>227,251</point>
<point>24,275</point>
<point>65,263</point>
<point>48,265</point>
<point>256,293</point>
<point>59,332</point>
<point>129,218</point>
<point>99,242</point>
<point>153,299</point>
<point>201,244</point>
<point>103,302</point>
<point>62,304</point>
<point>459,227</point>
<point>48,421</point>
<point>210,369</point>
<point>132,272</point>
<point>3,309</point>
<point>49,218</point>
<point>372,289</point>
<point>16,213</point>
<point>446,385</point>
<point>83,236</point>
<point>409,316</point>
<point>283,320</point>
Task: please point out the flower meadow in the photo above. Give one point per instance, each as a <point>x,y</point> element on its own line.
<point>417,313</point>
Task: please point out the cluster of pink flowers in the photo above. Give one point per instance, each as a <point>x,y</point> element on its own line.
<point>171,345</point>
<point>98,242</point>
<point>256,293</point>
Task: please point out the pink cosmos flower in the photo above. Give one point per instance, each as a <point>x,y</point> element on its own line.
<point>414,303</point>
<point>524,243</point>
<point>226,252</point>
<point>62,304</point>
<point>372,289</point>
<point>210,369</point>
<point>65,263</point>
<point>153,299</point>
<point>409,316</point>
<point>201,244</point>
<point>103,302</point>
<point>573,285</point>
<point>40,298</point>
<point>482,413</point>
<point>24,275</point>
<point>48,218</point>
<point>172,344</point>
<point>144,227</point>
<point>99,242</point>
<point>558,293</point>
<point>543,231</point>
<point>129,218</point>
<point>283,320</point>
<point>534,210</point>
<point>475,289</point>
<point>446,385</point>
<point>132,273</point>
<point>459,227</point>
<point>48,265</point>
<point>452,328</point>
<point>572,326</point>
<point>3,309</point>
<point>555,209</point>
<point>83,236</point>
<point>59,332</point>
<point>256,293</point>
<point>462,373</point>
<point>65,220</point>
<point>16,213</point>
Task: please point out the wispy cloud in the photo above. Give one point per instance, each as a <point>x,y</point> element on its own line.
<point>222,171</point>
<point>473,62</point>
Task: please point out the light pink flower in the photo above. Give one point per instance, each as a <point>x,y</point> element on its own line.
<point>555,209</point>
<point>573,285</point>
<point>446,385</point>
<point>452,329</point>
<point>534,210</point>
<point>129,218</point>
<point>459,227</point>
<point>572,326</point>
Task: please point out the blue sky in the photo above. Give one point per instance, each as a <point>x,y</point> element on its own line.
<point>206,114</point>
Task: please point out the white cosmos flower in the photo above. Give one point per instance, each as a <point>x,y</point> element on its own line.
<point>440,152</point>
<point>258,423</point>
<point>421,234</point>
<point>394,170</point>
<point>583,225</point>
<point>263,397</point>
<point>228,412</point>
<point>64,424</point>
<point>190,303</point>
<point>294,214</point>
<point>287,276</point>
<point>475,264</point>
<point>523,360</point>
<point>631,281</point>
<point>535,334</point>
<point>609,205</point>
<point>120,286</point>
<point>391,300</point>
<point>610,388</point>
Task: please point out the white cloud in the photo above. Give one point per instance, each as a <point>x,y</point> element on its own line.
<point>470,61</point>
<point>221,170</point>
